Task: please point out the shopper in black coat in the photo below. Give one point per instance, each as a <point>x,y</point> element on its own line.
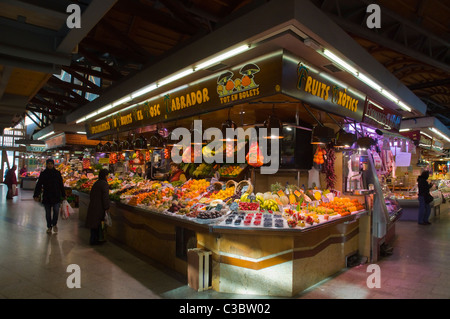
<point>51,183</point>
<point>98,204</point>
<point>425,198</point>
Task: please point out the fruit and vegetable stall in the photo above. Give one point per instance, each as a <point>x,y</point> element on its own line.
<point>162,220</point>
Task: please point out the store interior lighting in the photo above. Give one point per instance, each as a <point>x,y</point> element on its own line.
<point>362,77</point>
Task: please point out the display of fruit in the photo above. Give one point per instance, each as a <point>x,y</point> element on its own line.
<point>254,156</point>
<point>223,193</point>
<point>230,170</point>
<point>319,156</point>
<point>270,205</point>
<point>209,214</point>
<point>203,170</point>
<point>248,206</point>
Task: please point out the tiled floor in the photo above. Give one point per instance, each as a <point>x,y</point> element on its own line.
<point>34,264</point>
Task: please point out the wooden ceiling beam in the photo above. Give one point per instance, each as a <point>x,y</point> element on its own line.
<point>158,17</point>
<point>124,38</point>
<point>82,79</point>
<point>63,99</point>
<point>37,108</point>
<point>116,52</point>
<point>89,71</point>
<point>71,86</point>
<point>99,62</point>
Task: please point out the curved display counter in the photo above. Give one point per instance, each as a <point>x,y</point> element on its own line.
<point>244,260</point>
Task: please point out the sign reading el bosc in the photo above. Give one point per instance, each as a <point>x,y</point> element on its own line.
<point>250,80</point>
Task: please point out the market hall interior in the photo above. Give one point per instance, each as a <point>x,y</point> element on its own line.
<point>34,264</point>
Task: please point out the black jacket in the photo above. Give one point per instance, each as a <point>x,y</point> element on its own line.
<point>98,204</point>
<point>51,182</point>
<point>424,186</point>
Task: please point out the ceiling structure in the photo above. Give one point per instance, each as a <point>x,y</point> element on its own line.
<point>119,38</point>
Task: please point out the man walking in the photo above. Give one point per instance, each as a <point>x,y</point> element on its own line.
<point>50,181</point>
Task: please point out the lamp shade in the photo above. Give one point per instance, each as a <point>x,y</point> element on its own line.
<point>365,142</point>
<point>345,139</point>
<point>322,135</point>
<point>127,145</point>
<point>228,124</point>
<point>98,147</point>
<point>106,148</point>
<point>140,143</point>
<point>271,123</point>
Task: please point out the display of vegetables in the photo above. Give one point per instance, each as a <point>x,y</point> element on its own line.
<point>328,168</point>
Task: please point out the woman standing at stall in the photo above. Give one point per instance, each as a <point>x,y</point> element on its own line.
<point>98,205</point>
<point>10,180</point>
<point>425,198</point>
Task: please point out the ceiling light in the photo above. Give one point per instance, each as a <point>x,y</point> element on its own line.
<point>175,77</point>
<point>404,106</point>
<point>222,57</point>
<point>143,91</point>
<point>122,100</point>
<point>340,62</point>
<point>46,135</point>
<point>432,129</point>
<point>369,82</point>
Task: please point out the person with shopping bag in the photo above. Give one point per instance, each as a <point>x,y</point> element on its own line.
<point>98,206</point>
<point>50,182</point>
<point>11,182</point>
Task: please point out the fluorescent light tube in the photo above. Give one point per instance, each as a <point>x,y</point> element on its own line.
<point>46,135</point>
<point>432,129</point>
<point>143,91</point>
<point>175,77</point>
<point>369,82</point>
<point>389,95</point>
<point>404,130</point>
<point>81,132</point>
<point>339,61</point>
<point>375,104</point>
<point>105,108</point>
<point>421,132</point>
<point>404,106</point>
<point>222,57</point>
<point>121,101</point>
<point>81,120</point>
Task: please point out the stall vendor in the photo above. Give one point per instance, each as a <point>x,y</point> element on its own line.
<point>176,173</point>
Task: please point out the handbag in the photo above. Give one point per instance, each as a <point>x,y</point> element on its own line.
<point>429,199</point>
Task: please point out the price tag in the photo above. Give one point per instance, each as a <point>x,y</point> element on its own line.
<point>210,188</point>
<point>244,189</point>
<point>281,193</point>
<point>297,193</point>
<point>234,206</point>
<point>219,207</point>
<point>251,197</point>
<point>224,187</point>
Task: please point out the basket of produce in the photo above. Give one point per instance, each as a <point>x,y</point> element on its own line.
<point>217,185</point>
<point>244,185</point>
<point>230,183</point>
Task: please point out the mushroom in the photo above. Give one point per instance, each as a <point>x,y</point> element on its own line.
<point>247,71</point>
<point>222,81</point>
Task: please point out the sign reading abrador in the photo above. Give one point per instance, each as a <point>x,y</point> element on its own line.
<point>257,78</point>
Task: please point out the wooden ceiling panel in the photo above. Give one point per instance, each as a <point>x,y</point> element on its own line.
<point>25,82</point>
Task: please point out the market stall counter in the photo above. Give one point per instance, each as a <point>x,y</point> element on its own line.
<point>29,182</point>
<point>410,205</point>
<point>244,256</point>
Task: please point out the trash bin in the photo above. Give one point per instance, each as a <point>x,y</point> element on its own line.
<point>199,269</point>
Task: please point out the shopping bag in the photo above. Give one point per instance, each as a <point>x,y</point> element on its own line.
<point>64,209</point>
<point>15,191</point>
<point>108,220</point>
